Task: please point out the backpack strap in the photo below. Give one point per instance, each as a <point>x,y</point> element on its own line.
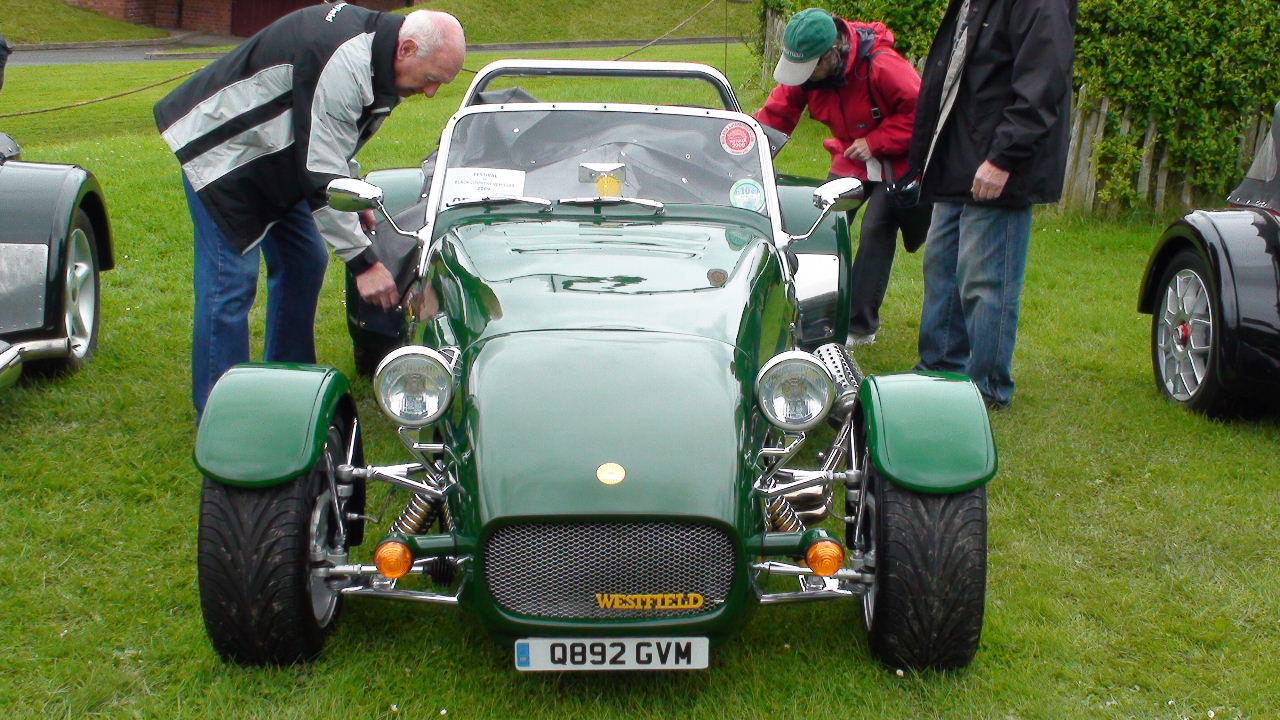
<point>876,114</point>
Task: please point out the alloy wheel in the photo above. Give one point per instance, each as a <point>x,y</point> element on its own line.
<point>80,294</point>
<point>1184,337</point>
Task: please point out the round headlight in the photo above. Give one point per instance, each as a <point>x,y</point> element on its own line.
<point>794,390</point>
<point>414,385</point>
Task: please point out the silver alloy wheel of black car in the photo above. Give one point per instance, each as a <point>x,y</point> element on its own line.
<point>1184,335</point>
<point>80,306</point>
<point>1186,339</point>
<point>80,294</point>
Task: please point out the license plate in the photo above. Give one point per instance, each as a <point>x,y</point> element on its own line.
<point>650,653</point>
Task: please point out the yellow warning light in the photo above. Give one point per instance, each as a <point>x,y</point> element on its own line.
<point>610,473</point>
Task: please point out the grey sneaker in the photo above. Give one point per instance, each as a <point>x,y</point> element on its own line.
<point>855,340</point>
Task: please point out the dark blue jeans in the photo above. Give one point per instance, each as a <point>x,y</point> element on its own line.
<point>974,263</point>
<point>226,283</point>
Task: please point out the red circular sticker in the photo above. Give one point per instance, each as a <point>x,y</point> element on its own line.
<point>737,139</point>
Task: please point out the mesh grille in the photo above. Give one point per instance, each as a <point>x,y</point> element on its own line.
<point>556,570</point>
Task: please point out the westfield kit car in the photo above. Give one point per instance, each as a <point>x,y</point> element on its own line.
<point>622,333</point>
<point>1212,288</point>
<point>54,240</point>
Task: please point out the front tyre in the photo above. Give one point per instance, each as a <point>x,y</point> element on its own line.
<point>1186,338</point>
<point>260,550</point>
<point>925,608</point>
<point>80,290</point>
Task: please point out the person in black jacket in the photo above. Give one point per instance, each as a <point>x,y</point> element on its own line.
<point>260,133</point>
<point>990,138</point>
<point>5,51</point>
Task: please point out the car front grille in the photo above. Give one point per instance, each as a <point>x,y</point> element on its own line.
<point>609,570</point>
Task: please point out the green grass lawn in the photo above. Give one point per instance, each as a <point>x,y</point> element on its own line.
<point>488,21</point>
<point>1134,569</point>
<point>53,21</point>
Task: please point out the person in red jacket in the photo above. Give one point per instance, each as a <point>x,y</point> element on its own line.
<point>852,80</point>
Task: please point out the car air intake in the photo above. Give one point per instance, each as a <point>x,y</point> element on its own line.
<point>609,570</point>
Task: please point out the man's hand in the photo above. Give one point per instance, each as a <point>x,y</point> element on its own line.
<point>988,182</point>
<point>367,221</point>
<point>377,287</point>
<point>859,150</point>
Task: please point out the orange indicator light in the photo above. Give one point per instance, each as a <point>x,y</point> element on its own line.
<point>825,557</point>
<point>393,559</point>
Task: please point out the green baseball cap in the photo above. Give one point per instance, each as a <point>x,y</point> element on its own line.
<point>810,33</point>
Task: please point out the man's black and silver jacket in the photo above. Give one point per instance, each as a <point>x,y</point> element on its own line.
<point>270,124</point>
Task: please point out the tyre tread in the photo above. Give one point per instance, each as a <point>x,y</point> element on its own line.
<point>254,570</point>
<point>931,571</point>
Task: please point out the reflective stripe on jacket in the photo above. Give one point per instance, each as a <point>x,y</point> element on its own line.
<point>270,124</point>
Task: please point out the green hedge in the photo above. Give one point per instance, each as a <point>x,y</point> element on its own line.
<point>1202,69</point>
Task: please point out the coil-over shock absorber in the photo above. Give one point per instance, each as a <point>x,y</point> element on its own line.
<point>783,518</point>
<point>417,516</point>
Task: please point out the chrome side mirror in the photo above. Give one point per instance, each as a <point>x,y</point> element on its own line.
<point>839,195</point>
<point>352,195</point>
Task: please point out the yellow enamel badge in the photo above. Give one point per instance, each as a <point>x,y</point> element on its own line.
<point>610,473</point>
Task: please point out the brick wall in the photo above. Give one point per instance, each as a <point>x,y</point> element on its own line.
<point>166,14</point>
<point>206,15</point>
<point>141,12</point>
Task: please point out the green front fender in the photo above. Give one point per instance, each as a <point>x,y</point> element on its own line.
<point>928,432</point>
<point>266,423</point>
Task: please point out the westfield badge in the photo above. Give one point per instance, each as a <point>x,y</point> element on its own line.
<point>660,601</point>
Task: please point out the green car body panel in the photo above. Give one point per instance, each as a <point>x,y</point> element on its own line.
<point>690,273</point>
<point>246,442</point>
<point>681,437</point>
<point>643,344</point>
<point>928,432</point>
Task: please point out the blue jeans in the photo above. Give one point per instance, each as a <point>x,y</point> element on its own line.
<point>974,263</point>
<point>226,283</point>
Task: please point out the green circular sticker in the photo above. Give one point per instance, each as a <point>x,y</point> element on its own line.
<point>747,194</point>
<point>738,238</point>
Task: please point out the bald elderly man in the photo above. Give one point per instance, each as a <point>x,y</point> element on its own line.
<point>260,133</point>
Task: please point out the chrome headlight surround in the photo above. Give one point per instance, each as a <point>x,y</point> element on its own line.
<point>795,391</point>
<point>414,385</point>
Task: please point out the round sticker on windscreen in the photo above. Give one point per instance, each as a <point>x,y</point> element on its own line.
<point>737,139</point>
<point>747,194</point>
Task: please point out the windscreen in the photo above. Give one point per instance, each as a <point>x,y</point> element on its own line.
<point>689,91</point>
<point>561,154</point>
<point>1261,185</point>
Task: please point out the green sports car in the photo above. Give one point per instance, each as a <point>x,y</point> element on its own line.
<point>620,330</point>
